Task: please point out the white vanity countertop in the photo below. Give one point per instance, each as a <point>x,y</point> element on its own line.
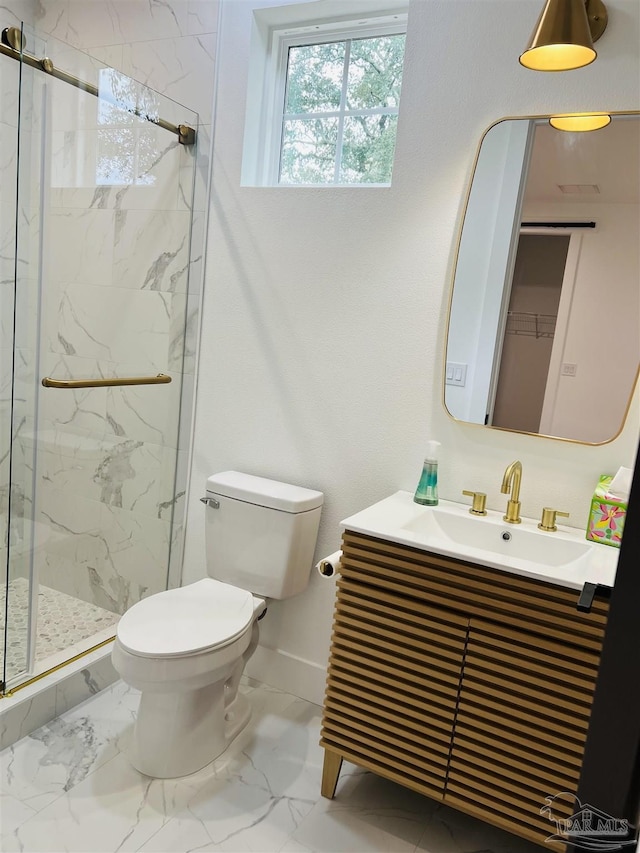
<point>564,557</point>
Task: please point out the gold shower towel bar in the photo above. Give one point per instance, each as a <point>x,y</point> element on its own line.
<point>160,379</point>
<point>10,43</point>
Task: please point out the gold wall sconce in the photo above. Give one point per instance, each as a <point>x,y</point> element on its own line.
<point>564,35</point>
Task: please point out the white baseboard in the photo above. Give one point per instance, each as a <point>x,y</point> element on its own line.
<point>287,672</point>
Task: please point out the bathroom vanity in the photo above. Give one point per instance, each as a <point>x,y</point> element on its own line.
<point>469,680</point>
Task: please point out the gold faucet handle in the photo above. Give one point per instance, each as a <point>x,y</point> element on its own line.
<point>479,501</point>
<point>548,521</point>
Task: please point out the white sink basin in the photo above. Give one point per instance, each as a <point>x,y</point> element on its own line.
<point>494,535</point>
<point>564,557</point>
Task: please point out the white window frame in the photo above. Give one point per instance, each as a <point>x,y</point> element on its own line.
<point>261,159</point>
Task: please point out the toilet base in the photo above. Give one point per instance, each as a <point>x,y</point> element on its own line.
<point>176,734</point>
<point>190,708</point>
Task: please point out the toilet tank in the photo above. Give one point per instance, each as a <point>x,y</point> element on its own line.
<point>262,536</point>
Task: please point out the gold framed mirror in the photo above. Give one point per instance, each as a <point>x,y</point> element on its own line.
<point>543,334</point>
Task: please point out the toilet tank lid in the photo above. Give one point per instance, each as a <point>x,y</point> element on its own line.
<point>264,492</point>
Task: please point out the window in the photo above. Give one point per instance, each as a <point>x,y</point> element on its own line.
<point>341,111</point>
<point>127,147</point>
<point>323,98</point>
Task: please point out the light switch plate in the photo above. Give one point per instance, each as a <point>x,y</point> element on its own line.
<point>456,374</point>
<point>569,369</point>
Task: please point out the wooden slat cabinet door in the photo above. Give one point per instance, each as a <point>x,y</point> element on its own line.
<point>521,725</point>
<point>393,679</point>
<point>468,684</point>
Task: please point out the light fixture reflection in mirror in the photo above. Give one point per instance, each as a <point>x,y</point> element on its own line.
<point>580,123</point>
<point>544,324</point>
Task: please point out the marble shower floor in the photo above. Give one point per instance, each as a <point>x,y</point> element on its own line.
<point>68,787</point>
<point>63,621</point>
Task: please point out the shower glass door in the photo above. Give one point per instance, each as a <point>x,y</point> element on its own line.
<point>9,81</point>
<point>17,375</point>
<point>104,192</point>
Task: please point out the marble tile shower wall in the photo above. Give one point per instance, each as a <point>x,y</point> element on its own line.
<point>116,302</point>
<point>113,304</point>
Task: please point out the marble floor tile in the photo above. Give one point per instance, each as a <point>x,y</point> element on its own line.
<point>113,808</point>
<point>262,789</point>
<point>54,758</point>
<point>13,812</point>
<point>368,813</point>
<point>69,787</point>
<point>450,831</point>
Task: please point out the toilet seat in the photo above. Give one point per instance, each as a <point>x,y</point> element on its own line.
<point>189,620</point>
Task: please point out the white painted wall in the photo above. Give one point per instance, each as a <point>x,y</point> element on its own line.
<point>325,309</point>
<point>603,333</point>
<point>483,262</point>
<point>500,272</point>
<point>524,362</point>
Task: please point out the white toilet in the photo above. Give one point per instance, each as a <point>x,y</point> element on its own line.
<point>185,649</point>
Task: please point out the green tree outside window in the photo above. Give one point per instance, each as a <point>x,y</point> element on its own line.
<point>341,111</point>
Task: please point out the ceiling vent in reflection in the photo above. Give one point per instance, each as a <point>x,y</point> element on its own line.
<point>579,189</point>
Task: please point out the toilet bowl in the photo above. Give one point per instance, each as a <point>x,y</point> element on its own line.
<point>185,649</point>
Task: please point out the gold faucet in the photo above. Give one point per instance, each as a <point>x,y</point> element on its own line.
<point>511,484</point>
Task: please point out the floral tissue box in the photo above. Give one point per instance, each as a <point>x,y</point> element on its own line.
<point>606,518</point>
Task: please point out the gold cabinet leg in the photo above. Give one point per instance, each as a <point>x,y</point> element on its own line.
<point>330,773</point>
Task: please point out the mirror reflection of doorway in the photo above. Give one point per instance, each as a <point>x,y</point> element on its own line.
<point>529,330</point>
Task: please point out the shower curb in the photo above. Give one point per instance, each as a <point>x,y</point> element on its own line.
<point>38,703</point>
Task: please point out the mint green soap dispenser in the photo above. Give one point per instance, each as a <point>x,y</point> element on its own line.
<point>427,491</point>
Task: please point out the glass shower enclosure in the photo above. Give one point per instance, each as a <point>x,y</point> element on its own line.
<point>97,175</point>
